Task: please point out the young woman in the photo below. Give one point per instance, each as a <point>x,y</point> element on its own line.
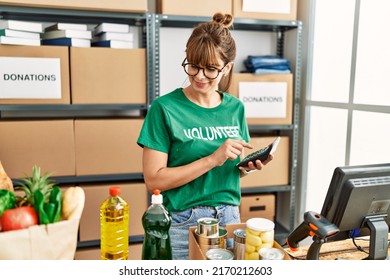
<point>193,137</point>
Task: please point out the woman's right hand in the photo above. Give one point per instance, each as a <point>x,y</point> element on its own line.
<point>230,149</point>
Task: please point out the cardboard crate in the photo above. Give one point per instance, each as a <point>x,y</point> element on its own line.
<point>257,206</point>
<point>117,5</point>
<point>40,52</point>
<point>194,8</point>
<point>195,253</point>
<point>270,105</point>
<point>266,9</point>
<point>135,253</point>
<point>107,146</point>
<point>135,194</point>
<point>47,144</point>
<point>108,76</point>
<point>276,172</point>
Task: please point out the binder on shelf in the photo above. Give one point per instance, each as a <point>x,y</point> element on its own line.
<point>111,27</point>
<point>22,25</point>
<point>5,40</point>
<point>19,34</point>
<point>115,44</point>
<point>67,26</point>
<point>72,42</point>
<point>81,34</point>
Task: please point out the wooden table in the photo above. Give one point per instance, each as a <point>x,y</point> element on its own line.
<point>344,249</point>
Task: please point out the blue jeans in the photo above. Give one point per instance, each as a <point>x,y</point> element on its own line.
<point>182,220</point>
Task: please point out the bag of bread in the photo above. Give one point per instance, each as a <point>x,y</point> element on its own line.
<point>5,181</point>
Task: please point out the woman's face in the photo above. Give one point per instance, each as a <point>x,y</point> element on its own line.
<point>202,84</point>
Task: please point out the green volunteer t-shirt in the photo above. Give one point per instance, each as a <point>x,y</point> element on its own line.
<point>188,132</point>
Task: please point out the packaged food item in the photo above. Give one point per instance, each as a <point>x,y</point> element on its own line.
<point>207,227</point>
<point>239,244</point>
<point>114,227</point>
<point>271,254</point>
<point>219,254</point>
<point>259,234</point>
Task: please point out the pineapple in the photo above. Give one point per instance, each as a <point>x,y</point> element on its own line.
<point>30,185</point>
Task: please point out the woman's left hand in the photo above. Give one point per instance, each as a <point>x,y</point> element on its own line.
<point>257,165</point>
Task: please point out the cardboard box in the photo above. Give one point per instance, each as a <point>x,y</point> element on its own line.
<point>135,194</point>
<point>47,144</point>
<point>195,253</point>
<point>108,76</point>
<point>135,253</point>
<point>194,8</point>
<point>108,146</point>
<point>41,52</point>
<point>276,172</point>
<point>117,5</point>
<point>257,206</point>
<point>266,9</point>
<point>277,94</point>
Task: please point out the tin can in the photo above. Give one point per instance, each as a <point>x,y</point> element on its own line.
<point>271,254</point>
<point>239,244</point>
<point>212,242</point>
<point>219,254</point>
<point>208,227</point>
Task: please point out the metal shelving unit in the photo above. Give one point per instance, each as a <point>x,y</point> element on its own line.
<point>53,111</point>
<point>280,28</point>
<point>150,25</point>
<point>143,21</point>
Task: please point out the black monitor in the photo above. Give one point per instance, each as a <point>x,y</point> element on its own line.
<point>358,203</point>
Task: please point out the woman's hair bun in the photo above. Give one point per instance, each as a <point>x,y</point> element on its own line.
<point>223,19</point>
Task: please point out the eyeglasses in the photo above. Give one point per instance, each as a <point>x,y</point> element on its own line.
<point>209,72</point>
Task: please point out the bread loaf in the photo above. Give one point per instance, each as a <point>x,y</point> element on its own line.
<point>5,181</point>
<point>73,203</point>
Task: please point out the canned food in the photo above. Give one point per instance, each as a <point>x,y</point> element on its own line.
<point>271,254</point>
<point>239,244</point>
<point>208,227</point>
<point>211,242</point>
<point>259,234</point>
<point>219,254</point>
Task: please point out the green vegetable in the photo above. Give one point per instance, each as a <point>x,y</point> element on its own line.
<point>48,212</point>
<point>39,206</point>
<point>56,199</point>
<point>7,200</point>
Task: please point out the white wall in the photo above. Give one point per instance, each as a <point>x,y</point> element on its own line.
<point>346,93</point>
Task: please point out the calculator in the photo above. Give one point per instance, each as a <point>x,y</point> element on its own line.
<point>262,154</point>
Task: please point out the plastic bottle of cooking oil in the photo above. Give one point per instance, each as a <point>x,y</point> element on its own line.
<point>114,227</point>
<point>156,222</point>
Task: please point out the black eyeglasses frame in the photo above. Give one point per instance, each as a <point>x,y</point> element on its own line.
<point>183,64</point>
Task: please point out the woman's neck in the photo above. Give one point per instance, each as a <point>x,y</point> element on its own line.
<point>206,100</point>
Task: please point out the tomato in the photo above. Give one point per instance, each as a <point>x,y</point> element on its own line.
<point>18,218</point>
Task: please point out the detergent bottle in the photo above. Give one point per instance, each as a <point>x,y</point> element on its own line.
<point>156,222</point>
